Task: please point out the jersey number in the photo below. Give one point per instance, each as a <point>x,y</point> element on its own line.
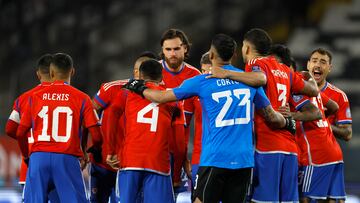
<point>220,122</point>
<point>318,103</point>
<point>154,117</point>
<point>282,93</point>
<point>55,123</point>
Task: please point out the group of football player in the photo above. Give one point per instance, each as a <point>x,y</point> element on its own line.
<point>266,134</point>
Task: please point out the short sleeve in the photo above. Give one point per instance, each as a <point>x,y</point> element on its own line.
<point>188,88</point>
<point>343,116</point>
<point>26,114</point>
<point>104,95</point>
<point>297,82</point>
<point>89,114</point>
<point>260,99</point>
<point>15,113</point>
<point>298,101</point>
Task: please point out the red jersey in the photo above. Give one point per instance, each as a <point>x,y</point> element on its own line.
<point>56,114</point>
<point>317,144</point>
<point>145,145</point>
<point>195,159</point>
<point>19,106</point>
<point>180,136</point>
<point>281,81</point>
<point>343,115</point>
<point>104,97</point>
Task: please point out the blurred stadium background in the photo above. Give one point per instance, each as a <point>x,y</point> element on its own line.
<point>104,38</point>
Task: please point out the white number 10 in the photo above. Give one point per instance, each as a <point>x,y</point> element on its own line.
<point>55,123</point>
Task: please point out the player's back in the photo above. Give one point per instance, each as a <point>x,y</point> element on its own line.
<point>58,112</point>
<point>227,120</point>
<point>280,83</point>
<point>146,144</point>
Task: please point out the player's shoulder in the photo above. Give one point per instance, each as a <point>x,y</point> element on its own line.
<point>334,90</point>
<point>191,69</point>
<point>116,83</point>
<point>259,61</point>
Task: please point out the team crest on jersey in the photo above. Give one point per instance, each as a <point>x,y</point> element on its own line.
<point>348,112</point>
<point>297,98</point>
<point>255,68</point>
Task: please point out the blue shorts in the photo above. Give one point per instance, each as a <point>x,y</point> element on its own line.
<point>154,187</point>
<point>322,182</point>
<point>275,178</point>
<point>102,184</point>
<point>48,171</point>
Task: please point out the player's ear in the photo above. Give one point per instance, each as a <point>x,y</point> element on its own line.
<point>72,72</point>
<point>330,67</point>
<point>38,75</point>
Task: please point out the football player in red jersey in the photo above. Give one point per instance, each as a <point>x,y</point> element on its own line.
<point>319,65</point>
<point>103,176</point>
<point>56,115</point>
<point>175,49</point>
<point>144,162</point>
<point>275,173</point>
<point>18,108</point>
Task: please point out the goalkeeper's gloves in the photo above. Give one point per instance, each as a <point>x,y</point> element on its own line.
<point>96,152</point>
<point>137,86</point>
<point>290,125</point>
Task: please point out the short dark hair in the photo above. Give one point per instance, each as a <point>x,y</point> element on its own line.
<point>176,33</point>
<point>151,69</point>
<point>293,64</point>
<point>205,59</point>
<point>323,51</point>
<point>282,52</point>
<point>148,54</point>
<point>43,63</point>
<point>225,46</point>
<point>260,39</point>
<point>63,62</point>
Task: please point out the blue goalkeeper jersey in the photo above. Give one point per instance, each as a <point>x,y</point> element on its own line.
<point>227,118</point>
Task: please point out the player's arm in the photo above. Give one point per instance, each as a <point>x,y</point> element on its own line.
<point>308,112</point>
<point>11,128</point>
<point>84,138</point>
<point>342,131</point>
<point>331,108</point>
<point>310,87</point>
<point>159,96</point>
<point>22,138</point>
<point>257,78</point>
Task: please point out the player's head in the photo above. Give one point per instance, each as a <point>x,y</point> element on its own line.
<point>175,47</point>
<point>43,68</point>
<point>205,63</point>
<point>141,58</point>
<point>256,42</point>
<point>150,70</point>
<point>61,67</point>
<point>319,64</point>
<point>281,53</point>
<point>222,49</point>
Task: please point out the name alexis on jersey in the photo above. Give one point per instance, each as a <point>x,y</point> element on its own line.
<point>55,97</point>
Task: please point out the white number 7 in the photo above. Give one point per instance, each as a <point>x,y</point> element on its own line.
<point>282,93</point>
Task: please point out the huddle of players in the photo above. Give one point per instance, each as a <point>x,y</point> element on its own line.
<point>136,132</point>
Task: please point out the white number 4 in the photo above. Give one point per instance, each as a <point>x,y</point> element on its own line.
<point>282,93</point>
<point>154,117</point>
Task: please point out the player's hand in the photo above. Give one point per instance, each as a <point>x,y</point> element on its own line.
<point>290,125</point>
<point>285,110</point>
<point>217,72</point>
<point>113,161</point>
<point>96,152</point>
<point>188,168</point>
<point>306,75</point>
<point>84,161</point>
<point>137,86</point>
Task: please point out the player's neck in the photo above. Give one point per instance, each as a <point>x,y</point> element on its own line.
<point>221,63</point>
<point>322,85</point>
<point>254,56</point>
